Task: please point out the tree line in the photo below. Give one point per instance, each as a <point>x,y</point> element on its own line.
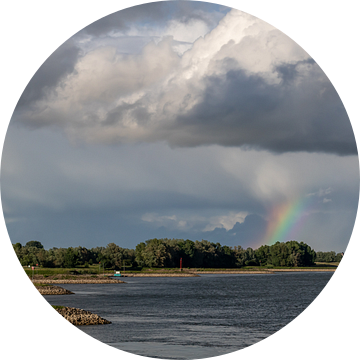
<point>168,252</point>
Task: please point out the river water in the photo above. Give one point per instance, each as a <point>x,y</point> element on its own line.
<point>193,317</point>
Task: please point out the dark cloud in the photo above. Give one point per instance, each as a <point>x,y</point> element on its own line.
<point>301,113</point>
<point>60,63</point>
<point>243,234</point>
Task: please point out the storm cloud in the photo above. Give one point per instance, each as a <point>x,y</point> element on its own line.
<point>301,113</point>
<point>179,120</point>
<point>243,84</point>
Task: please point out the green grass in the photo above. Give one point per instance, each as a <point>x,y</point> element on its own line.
<point>94,269</point>
<point>58,307</point>
<point>270,267</point>
<point>326,265</point>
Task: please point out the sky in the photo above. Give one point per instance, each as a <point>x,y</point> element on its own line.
<point>180,120</point>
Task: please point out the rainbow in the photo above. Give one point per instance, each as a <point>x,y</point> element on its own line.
<point>286,220</point>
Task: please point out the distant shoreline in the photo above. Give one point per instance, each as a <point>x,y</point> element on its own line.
<point>304,270</point>
<point>110,279</point>
<point>270,271</point>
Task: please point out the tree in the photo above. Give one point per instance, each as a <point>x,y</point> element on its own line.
<point>70,259</point>
<point>339,257</point>
<point>262,254</point>
<point>239,254</point>
<point>17,247</point>
<point>155,253</point>
<point>36,244</point>
<point>140,253</point>
<point>187,251</point>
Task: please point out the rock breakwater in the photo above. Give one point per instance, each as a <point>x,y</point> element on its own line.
<point>81,317</point>
<point>52,290</point>
<point>75,279</point>
<point>82,281</point>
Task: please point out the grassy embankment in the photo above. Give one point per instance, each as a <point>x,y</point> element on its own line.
<point>45,272</point>
<point>317,266</point>
<point>95,271</point>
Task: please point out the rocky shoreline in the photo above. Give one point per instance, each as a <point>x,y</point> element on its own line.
<point>80,317</point>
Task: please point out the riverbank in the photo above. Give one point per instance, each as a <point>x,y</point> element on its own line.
<point>304,270</point>
<point>197,272</point>
<point>155,274</point>
<point>80,317</point>
<point>267,271</point>
<point>109,278</point>
<point>236,272</point>
<point>75,279</point>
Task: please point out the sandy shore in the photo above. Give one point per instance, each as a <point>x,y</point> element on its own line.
<point>197,274</point>
<point>81,317</point>
<point>160,275</point>
<point>303,270</point>
<point>236,272</point>
<point>269,271</point>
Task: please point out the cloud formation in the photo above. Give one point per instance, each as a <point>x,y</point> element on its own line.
<point>243,84</point>
<point>178,119</point>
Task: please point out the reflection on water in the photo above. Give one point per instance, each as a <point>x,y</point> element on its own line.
<point>164,350</point>
<point>193,318</point>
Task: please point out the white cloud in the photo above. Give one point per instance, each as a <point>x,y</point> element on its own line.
<point>171,221</point>
<point>194,222</point>
<point>322,192</point>
<point>115,97</point>
<point>153,217</point>
<point>187,32</point>
<point>225,221</point>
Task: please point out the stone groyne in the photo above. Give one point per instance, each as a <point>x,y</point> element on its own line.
<point>80,281</point>
<point>52,290</point>
<point>74,279</point>
<point>80,317</point>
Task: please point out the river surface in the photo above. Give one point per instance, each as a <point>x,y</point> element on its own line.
<point>193,317</point>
